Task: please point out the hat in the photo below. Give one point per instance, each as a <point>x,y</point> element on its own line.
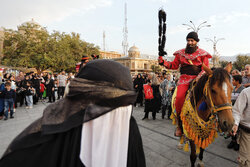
<point>193,35</point>
<point>85,59</point>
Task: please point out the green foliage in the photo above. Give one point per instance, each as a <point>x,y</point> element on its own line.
<point>241,61</point>
<point>223,63</point>
<point>156,68</point>
<point>33,46</point>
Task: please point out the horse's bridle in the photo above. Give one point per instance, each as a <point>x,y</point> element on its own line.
<point>207,95</point>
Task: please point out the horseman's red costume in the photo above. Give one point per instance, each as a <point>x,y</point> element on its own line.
<point>190,60</point>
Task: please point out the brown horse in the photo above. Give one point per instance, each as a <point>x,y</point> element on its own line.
<point>214,89</point>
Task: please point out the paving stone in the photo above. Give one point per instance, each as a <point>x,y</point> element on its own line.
<point>145,132</point>
<point>156,160</point>
<point>156,147</point>
<point>217,161</point>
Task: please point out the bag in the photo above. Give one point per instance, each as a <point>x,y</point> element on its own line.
<point>148,91</point>
<point>19,91</point>
<point>44,94</point>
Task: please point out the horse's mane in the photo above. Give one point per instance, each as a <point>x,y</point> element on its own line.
<point>219,74</point>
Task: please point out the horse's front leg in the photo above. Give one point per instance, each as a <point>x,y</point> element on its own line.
<point>193,153</point>
<point>201,164</point>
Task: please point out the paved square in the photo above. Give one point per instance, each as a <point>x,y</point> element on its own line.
<point>157,135</point>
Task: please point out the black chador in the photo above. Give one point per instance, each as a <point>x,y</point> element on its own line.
<point>92,126</point>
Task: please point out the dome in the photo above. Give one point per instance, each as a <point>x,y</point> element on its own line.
<point>31,22</point>
<point>134,52</point>
<point>133,49</point>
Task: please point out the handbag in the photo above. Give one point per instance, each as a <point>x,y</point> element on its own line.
<point>148,91</point>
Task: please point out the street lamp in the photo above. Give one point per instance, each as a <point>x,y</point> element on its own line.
<point>196,29</point>
<point>216,57</point>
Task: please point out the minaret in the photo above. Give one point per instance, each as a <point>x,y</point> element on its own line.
<point>125,34</point>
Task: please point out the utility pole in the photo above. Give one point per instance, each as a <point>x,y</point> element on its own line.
<point>216,55</point>
<point>125,34</point>
<point>104,36</point>
<point>104,44</point>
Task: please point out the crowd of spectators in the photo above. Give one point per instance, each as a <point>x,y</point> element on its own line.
<point>157,96</point>
<point>240,81</point>
<point>30,88</point>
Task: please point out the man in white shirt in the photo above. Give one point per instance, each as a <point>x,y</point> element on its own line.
<point>246,78</point>
<point>61,83</point>
<point>241,114</point>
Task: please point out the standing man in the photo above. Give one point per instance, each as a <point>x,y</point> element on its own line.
<point>167,87</point>
<point>190,60</point>
<point>20,90</point>
<point>246,78</point>
<point>241,114</point>
<point>61,83</point>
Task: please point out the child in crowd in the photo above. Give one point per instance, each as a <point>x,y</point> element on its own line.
<point>30,91</point>
<point>9,96</point>
<point>42,87</point>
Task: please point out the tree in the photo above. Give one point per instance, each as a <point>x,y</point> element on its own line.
<point>25,47</point>
<point>156,68</point>
<point>223,63</point>
<point>241,61</point>
<point>33,46</point>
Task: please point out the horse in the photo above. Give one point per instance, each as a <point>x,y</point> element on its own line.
<point>207,106</point>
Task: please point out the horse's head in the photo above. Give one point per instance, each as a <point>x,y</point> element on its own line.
<point>219,91</point>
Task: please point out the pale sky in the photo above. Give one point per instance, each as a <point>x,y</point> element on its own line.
<point>229,19</point>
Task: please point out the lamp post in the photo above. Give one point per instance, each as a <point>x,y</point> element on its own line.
<point>196,29</point>
<point>216,57</point>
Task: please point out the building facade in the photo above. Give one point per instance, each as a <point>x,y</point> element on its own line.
<point>110,54</point>
<point>135,62</point>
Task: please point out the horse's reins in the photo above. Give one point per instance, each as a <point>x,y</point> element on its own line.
<point>207,95</point>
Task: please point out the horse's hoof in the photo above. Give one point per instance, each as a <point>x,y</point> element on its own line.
<point>180,146</point>
<point>200,164</point>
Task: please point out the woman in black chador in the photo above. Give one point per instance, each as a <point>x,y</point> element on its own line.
<point>138,85</point>
<point>153,105</point>
<point>92,126</point>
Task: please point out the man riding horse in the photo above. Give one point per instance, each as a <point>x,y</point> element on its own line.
<point>190,60</point>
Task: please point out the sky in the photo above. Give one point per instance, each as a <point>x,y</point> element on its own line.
<point>229,19</point>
